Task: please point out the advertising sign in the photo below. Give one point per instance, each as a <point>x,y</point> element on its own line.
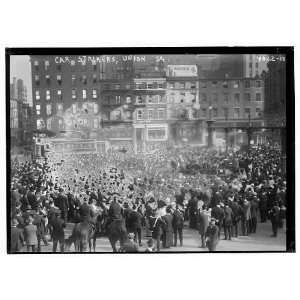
<point>182,70</point>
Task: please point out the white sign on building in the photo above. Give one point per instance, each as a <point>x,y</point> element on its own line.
<point>182,71</point>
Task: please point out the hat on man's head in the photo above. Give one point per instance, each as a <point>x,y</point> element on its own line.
<point>131,236</point>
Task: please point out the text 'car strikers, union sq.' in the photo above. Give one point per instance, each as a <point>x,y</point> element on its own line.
<point>98,59</point>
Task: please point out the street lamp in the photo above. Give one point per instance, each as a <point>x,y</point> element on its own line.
<point>209,128</point>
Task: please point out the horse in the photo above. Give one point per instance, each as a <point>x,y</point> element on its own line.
<point>116,231</point>
<point>82,235</point>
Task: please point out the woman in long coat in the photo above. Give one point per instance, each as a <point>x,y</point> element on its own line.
<point>203,222</point>
<point>168,229</point>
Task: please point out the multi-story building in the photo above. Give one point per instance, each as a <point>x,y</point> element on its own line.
<point>20,114</point>
<point>254,65</point>
<point>234,102</point>
<point>150,117</point>
<point>183,103</point>
<point>136,103</point>
<point>275,92</point>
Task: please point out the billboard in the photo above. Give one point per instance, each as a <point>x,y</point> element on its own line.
<point>182,71</point>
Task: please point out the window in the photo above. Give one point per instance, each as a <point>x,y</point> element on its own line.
<point>83,94</point>
<point>48,96</point>
<point>118,99</point>
<point>193,85</point>
<point>225,84</point>
<point>247,84</point>
<point>48,109</point>
<point>59,108</point>
<point>47,64</point>
<point>256,65</point>
<point>247,112</point>
<point>237,98</point>
<point>161,114</point>
<point>95,108</point>
<point>37,79</point>
<point>117,86</point>
<point>236,113</point>
<point>247,97</point>
<point>139,114</point>
<point>48,81</point>
<point>73,79</point>
<point>106,86</point>
<point>258,96</point>
<point>94,94</point>
<point>204,112</point>
<point>161,99</point>
<point>74,94</point>
<point>127,86</point>
<point>258,83</point>
<point>215,112</point>
<point>58,67</point>
<point>94,67</point>
<point>84,79</point>
<point>58,78</point>
<point>258,112</point>
<point>156,133</point>
<point>49,124</point>
<point>94,78</point>
<point>128,99</point>
<point>38,109</point>
<point>226,98</point>
<point>204,97</point>
<point>171,85</point>
<point>37,95</point>
<point>150,114</point>
<point>59,95</point>
<point>36,65</point>
<point>139,100</point>
<point>74,108</point>
<point>236,84</point>
<point>214,84</point>
<point>181,85</point>
<point>150,86</point>
<point>187,85</point>
<point>215,97</point>
<point>160,85</point>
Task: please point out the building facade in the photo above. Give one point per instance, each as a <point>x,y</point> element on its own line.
<point>136,103</point>
<point>254,66</point>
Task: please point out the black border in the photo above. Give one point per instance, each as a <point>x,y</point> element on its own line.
<point>290,120</point>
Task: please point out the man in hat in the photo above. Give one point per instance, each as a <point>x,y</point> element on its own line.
<point>212,235</point>
<point>30,234</point>
<point>177,223</point>
<point>274,214</point>
<point>58,233</point>
<point>203,222</point>
<point>228,215</point>
<point>63,204</point>
<point>16,237</point>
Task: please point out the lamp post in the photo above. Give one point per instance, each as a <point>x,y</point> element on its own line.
<point>209,128</point>
<point>249,131</point>
<point>226,130</point>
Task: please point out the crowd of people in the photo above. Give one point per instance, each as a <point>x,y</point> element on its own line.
<point>213,192</point>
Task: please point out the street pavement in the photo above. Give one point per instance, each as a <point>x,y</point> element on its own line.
<point>260,241</point>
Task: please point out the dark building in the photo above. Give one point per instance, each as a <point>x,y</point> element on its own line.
<point>275,92</point>
<point>20,114</point>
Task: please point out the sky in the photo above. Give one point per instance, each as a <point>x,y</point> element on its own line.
<point>20,68</point>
